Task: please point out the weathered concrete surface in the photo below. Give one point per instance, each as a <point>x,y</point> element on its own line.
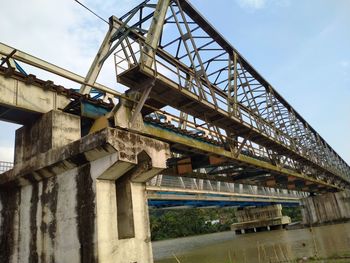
<point>123,236</point>
<point>62,205</point>
<point>28,97</point>
<point>53,130</point>
<point>256,219</point>
<point>326,208</point>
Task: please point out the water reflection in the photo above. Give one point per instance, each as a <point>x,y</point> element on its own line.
<point>274,246</point>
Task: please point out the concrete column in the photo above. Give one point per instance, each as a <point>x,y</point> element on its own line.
<point>54,129</point>
<point>326,208</point>
<point>122,216</point>
<point>260,218</point>
<point>72,200</point>
<point>122,222</point>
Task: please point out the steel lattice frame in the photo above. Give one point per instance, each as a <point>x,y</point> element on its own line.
<point>216,92</point>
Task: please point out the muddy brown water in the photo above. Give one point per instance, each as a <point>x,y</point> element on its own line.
<point>273,246</point>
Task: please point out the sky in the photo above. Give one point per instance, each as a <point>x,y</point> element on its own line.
<point>302,47</point>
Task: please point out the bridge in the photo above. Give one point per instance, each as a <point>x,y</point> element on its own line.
<point>165,191</point>
<point>169,191</point>
<point>194,108</point>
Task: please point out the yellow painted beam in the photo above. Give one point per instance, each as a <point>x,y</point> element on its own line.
<point>165,135</point>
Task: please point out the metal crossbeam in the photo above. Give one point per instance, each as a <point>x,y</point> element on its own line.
<point>198,72</point>
<point>223,120</point>
<point>165,191</point>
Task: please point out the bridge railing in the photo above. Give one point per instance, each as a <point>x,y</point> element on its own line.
<point>133,53</point>
<point>201,185</point>
<point>187,80</point>
<point>5,166</point>
<point>193,184</point>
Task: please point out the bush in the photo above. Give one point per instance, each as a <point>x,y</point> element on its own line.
<point>167,224</point>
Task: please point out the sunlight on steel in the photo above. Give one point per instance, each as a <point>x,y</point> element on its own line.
<point>181,184</point>
<point>213,90</point>
<point>222,119</point>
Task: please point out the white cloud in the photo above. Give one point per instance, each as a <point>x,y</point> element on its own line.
<point>6,154</point>
<point>345,63</point>
<point>252,4</point>
<point>60,32</point>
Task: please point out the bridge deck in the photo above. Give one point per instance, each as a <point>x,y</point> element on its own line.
<point>167,92</point>
<point>200,75</point>
<point>168,191</point>
<point>180,140</point>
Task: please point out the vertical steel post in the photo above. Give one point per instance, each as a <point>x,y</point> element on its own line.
<point>229,87</point>
<point>235,75</point>
<point>96,65</point>
<point>151,44</point>
<point>154,32</point>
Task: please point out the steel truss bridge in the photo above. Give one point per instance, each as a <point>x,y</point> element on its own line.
<point>223,121</point>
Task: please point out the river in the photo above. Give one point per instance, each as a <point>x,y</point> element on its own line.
<point>272,246</point>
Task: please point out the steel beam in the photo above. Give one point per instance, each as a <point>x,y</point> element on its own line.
<point>206,148</point>
<point>252,110</point>
<point>154,32</point>
<point>49,67</point>
<point>97,64</point>
<point>21,101</point>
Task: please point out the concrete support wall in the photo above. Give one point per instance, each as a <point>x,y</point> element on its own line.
<point>254,219</point>
<point>122,236</point>
<point>66,203</point>
<point>259,213</point>
<point>53,130</point>
<point>326,208</point>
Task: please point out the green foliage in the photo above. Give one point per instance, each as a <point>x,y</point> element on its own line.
<point>173,223</point>
<point>293,212</point>
<point>167,224</point>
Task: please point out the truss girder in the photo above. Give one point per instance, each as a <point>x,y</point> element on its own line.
<point>207,71</point>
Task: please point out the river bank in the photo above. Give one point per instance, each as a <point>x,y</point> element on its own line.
<point>274,246</point>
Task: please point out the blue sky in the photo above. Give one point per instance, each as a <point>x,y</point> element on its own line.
<point>301,47</point>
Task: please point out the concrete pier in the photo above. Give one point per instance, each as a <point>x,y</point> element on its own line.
<point>70,199</point>
<point>326,208</point>
<point>256,219</point>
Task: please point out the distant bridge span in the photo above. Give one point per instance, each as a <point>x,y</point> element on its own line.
<point>197,126</point>
<point>25,98</point>
<point>223,120</point>
<point>170,191</point>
